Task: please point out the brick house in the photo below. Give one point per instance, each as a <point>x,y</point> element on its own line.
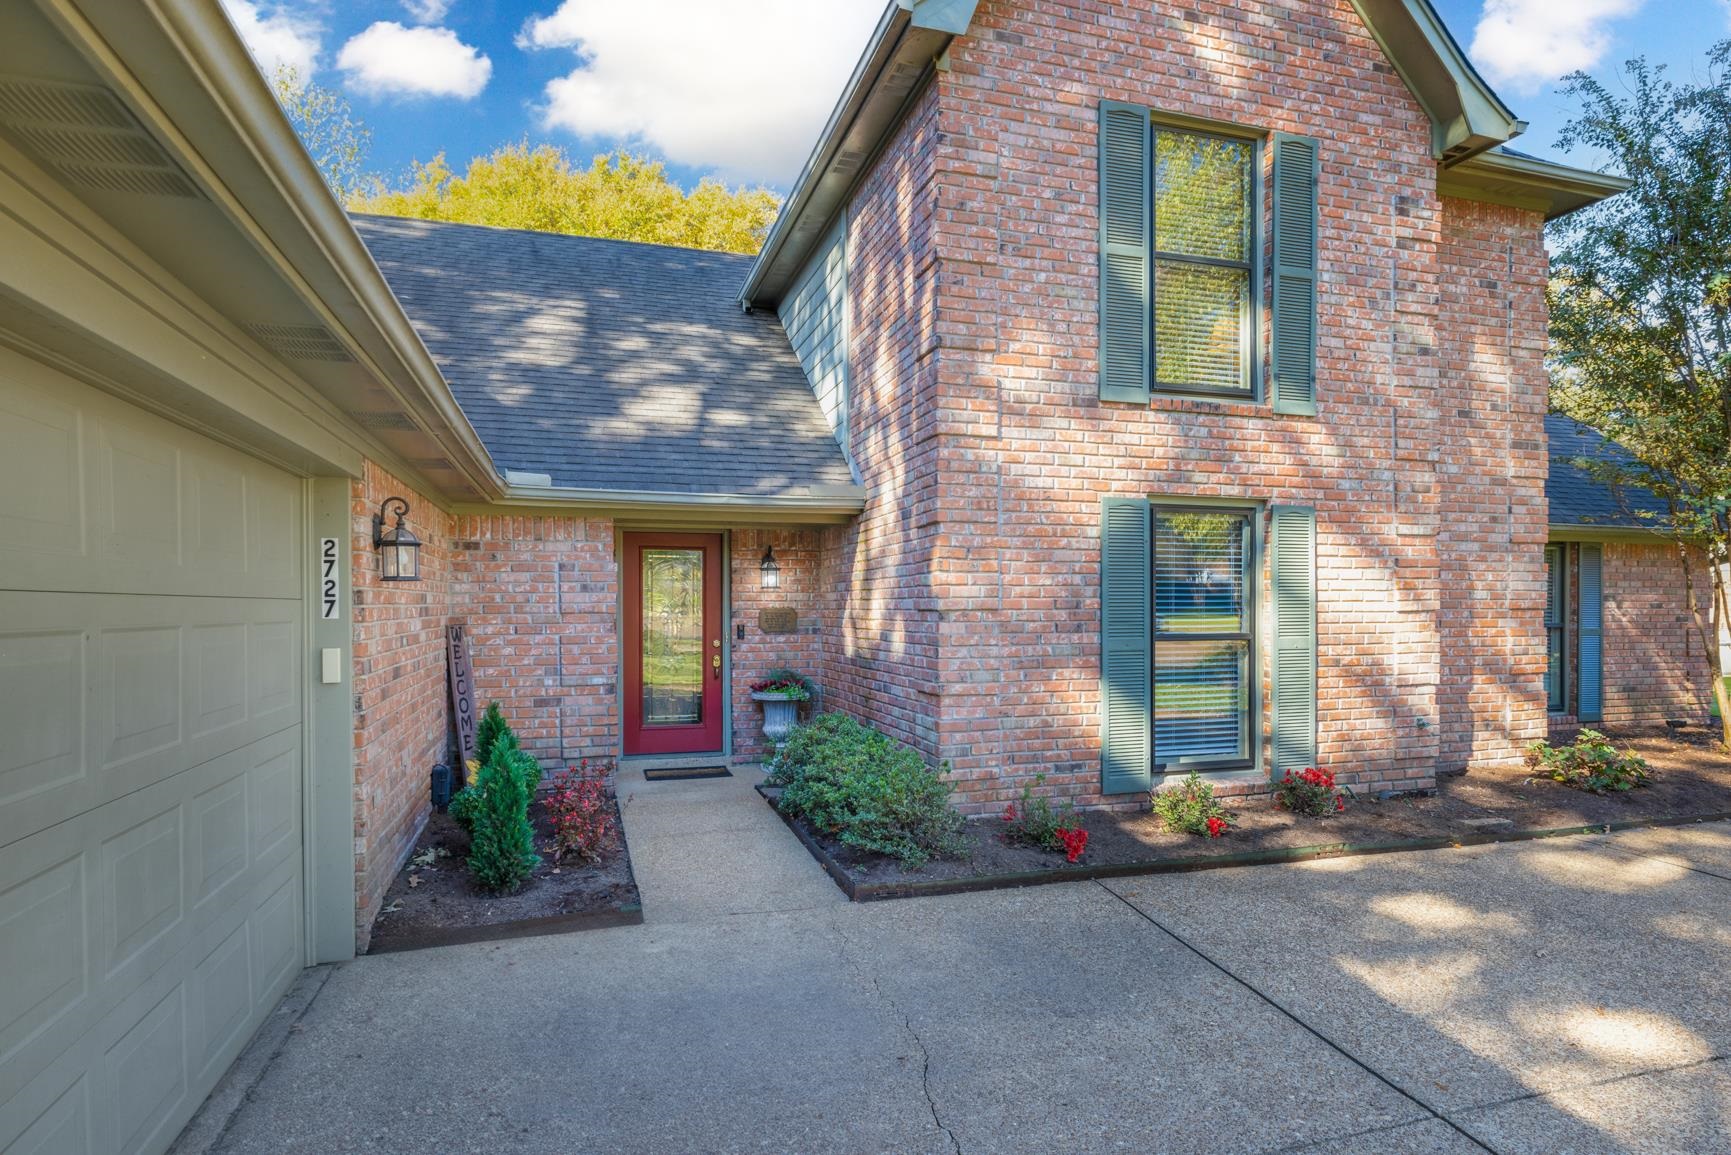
<point>1124,389</point>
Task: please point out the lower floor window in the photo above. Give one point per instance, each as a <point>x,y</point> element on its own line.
<point>1204,638</point>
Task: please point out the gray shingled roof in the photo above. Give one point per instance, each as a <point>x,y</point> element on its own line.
<point>1579,499</point>
<point>607,364</point>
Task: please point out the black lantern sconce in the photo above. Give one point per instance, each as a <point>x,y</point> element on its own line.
<point>770,569</point>
<point>399,549</point>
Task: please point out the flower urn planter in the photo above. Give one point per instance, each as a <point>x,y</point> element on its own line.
<point>780,715</point>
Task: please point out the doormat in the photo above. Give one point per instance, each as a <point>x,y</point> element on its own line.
<point>680,773</point>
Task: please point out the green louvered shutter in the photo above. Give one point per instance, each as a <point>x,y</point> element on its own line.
<point>1124,253</point>
<point>1591,677</point>
<point>1293,563</point>
<point>1126,645</point>
<point>1293,357</point>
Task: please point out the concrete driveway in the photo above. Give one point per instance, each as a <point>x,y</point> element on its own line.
<point>1567,996</point>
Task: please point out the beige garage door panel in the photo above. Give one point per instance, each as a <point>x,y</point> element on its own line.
<point>152,640</point>
<point>101,497</point>
<point>102,695</point>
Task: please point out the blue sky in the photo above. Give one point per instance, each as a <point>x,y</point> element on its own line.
<point>699,83</point>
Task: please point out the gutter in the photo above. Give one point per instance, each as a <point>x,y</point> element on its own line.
<point>815,505</point>
<point>1527,182</point>
<point>909,38</point>
<point>1589,532</point>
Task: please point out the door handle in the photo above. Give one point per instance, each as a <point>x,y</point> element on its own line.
<point>715,664</point>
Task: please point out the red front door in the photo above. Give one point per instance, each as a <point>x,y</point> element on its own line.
<point>673,637</point>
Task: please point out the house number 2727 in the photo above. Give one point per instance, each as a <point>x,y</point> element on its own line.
<point>330,598</point>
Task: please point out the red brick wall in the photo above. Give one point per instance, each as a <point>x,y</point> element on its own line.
<point>401,694</point>
<point>1492,466</point>
<point>987,451</point>
<point>1654,666</point>
<point>798,553</point>
<point>1028,450</point>
<point>881,664</point>
<point>540,597</point>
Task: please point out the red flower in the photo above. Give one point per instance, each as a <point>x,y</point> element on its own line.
<point>1009,812</point>
<point>1075,841</point>
<point>1216,827</point>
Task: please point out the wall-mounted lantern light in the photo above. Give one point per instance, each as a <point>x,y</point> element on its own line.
<point>769,569</point>
<point>399,549</point>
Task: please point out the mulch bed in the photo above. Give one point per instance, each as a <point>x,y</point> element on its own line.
<point>439,905</point>
<point>1692,784</point>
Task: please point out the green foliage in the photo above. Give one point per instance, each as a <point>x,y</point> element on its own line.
<point>1591,763</point>
<point>488,730</point>
<point>1190,808</point>
<point>620,195</point>
<point>337,141</point>
<point>867,790</point>
<point>1036,822</point>
<point>790,684</point>
<point>501,840</point>
<point>1640,304</point>
<point>464,804</point>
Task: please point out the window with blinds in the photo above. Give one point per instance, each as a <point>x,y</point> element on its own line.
<point>1203,244</point>
<point>1203,638</point>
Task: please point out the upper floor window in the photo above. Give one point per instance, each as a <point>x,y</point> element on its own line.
<point>1204,242</point>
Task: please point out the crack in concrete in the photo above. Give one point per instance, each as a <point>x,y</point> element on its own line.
<point>1667,859</point>
<point>868,978</point>
<point>1274,1003</point>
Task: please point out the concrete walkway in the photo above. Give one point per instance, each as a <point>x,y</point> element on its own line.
<point>1564,996</point>
<point>708,848</point>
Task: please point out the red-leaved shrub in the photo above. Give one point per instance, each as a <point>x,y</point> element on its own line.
<point>583,819</point>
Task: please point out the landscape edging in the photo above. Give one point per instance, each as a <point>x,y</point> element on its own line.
<point>878,891</point>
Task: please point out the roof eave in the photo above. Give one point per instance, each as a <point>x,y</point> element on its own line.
<point>1467,116</point>
<point>898,59</point>
<point>1540,185</point>
<point>807,505</point>
<point>1587,531</point>
<point>322,246</point>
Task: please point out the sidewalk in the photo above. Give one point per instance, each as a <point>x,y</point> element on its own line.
<point>709,848</point>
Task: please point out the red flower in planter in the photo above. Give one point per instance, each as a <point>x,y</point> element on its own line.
<point>1009,812</point>
<point>1075,841</point>
<point>1216,827</point>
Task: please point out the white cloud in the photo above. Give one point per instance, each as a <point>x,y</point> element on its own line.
<point>427,11</point>
<point>276,36</point>
<point>390,60</point>
<point>1527,44</point>
<point>740,88</point>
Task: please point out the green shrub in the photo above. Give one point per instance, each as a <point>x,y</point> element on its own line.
<point>868,791</point>
<point>1036,822</point>
<point>1190,808</point>
<point>489,730</point>
<point>463,806</point>
<point>501,840</point>
<point>1591,763</point>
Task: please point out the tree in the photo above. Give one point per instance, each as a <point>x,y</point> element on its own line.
<point>1640,303</point>
<point>620,195</point>
<point>337,141</point>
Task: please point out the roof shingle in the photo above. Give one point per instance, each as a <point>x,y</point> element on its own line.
<point>1577,498</point>
<point>608,364</point>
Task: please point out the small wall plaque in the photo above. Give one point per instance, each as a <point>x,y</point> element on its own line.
<point>778,620</point>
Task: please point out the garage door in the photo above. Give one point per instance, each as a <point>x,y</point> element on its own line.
<point>150,763</point>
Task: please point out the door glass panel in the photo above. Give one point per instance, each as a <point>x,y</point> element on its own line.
<point>672,637</point>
